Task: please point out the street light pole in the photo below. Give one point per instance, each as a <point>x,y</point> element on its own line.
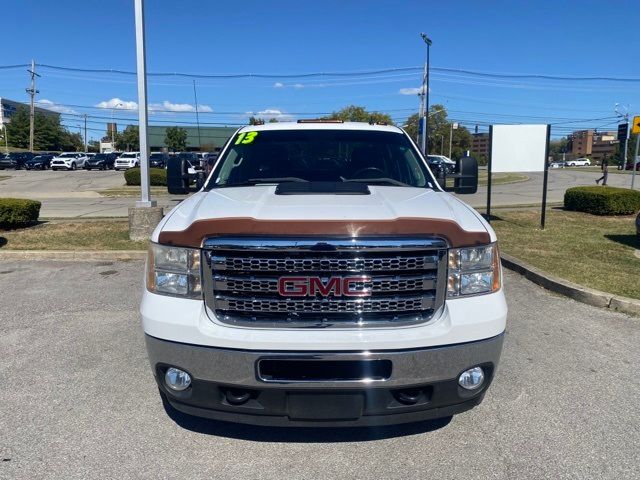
<point>454,126</point>
<point>145,200</point>
<point>425,96</point>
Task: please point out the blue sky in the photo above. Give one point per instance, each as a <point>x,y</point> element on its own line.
<point>570,38</point>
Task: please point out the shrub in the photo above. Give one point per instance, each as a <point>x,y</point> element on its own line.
<point>17,212</point>
<point>158,176</point>
<point>602,200</point>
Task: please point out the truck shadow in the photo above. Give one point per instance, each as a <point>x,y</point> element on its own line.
<point>300,434</point>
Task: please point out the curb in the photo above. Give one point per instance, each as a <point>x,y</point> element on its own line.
<point>77,255</point>
<point>577,292</point>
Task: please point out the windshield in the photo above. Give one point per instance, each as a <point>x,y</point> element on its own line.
<point>39,158</point>
<point>101,156</point>
<point>68,155</point>
<point>129,155</point>
<point>156,155</point>
<point>272,156</point>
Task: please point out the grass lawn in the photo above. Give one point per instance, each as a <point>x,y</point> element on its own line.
<point>501,178</point>
<point>131,191</point>
<point>71,235</point>
<point>593,251</point>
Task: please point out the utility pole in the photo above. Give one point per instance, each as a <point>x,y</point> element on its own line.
<point>195,96</point>
<point>32,93</point>
<point>85,133</point>
<point>425,96</point>
<point>454,126</point>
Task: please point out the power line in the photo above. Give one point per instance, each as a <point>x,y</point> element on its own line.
<point>478,73</point>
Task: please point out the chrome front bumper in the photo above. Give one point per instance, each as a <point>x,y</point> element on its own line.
<point>217,372</point>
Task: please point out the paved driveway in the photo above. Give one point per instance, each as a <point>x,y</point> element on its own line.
<point>78,400</point>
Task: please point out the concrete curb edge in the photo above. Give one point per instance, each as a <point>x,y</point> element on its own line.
<point>74,255</point>
<point>577,292</point>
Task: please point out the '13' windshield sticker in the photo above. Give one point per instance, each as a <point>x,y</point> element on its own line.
<point>246,138</point>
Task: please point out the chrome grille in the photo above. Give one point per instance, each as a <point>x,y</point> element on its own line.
<point>400,280</point>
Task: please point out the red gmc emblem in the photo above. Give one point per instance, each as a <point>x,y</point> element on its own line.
<point>312,286</point>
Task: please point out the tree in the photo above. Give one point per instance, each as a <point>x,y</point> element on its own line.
<point>354,113</point>
<point>128,139</point>
<point>439,129</point>
<point>176,139</point>
<point>48,133</point>
<point>255,121</point>
<point>273,120</point>
<point>558,147</point>
<point>18,128</point>
<point>93,145</point>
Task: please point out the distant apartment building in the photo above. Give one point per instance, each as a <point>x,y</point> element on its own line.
<point>480,144</point>
<point>592,144</point>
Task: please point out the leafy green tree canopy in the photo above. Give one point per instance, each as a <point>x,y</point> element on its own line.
<point>355,113</point>
<point>128,139</point>
<point>176,139</point>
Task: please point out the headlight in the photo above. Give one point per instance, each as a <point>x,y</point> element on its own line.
<point>474,271</point>
<point>174,271</point>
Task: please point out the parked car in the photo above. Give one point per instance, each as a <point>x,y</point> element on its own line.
<point>16,160</point>
<point>158,159</point>
<point>439,163</point>
<point>629,167</point>
<point>69,161</point>
<point>557,165</point>
<point>39,162</point>
<point>102,161</point>
<point>127,160</point>
<point>579,162</point>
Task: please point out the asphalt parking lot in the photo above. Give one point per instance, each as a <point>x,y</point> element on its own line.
<point>78,399</point>
<point>77,193</point>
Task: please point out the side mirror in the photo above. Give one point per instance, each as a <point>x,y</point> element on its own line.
<point>177,176</point>
<point>466,180</point>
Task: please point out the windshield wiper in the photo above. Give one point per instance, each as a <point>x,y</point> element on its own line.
<point>381,181</point>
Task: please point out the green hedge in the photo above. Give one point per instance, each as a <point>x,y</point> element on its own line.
<point>158,176</point>
<point>17,212</point>
<point>602,200</point>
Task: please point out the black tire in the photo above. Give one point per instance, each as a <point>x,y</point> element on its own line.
<point>73,165</point>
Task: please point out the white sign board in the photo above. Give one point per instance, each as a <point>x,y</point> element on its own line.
<point>518,148</point>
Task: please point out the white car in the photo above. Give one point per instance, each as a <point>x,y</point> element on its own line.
<point>323,277</point>
<point>69,161</point>
<point>579,162</point>
<point>127,160</point>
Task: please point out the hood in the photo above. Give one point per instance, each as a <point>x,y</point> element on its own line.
<point>261,203</point>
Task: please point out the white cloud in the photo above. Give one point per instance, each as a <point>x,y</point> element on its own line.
<point>269,113</point>
<point>167,106</point>
<point>118,104</point>
<point>49,105</point>
<point>298,85</point>
<point>274,113</point>
<point>278,85</point>
<point>410,91</point>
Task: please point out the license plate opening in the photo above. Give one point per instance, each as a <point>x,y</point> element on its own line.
<point>285,370</point>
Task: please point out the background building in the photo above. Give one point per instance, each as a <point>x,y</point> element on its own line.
<point>208,140</point>
<point>8,109</point>
<point>592,144</point>
<point>480,144</point>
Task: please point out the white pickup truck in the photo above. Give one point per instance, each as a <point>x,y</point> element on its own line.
<point>321,277</point>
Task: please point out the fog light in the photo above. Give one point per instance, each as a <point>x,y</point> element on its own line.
<point>472,378</point>
<point>176,379</point>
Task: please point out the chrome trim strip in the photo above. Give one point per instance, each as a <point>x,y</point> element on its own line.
<point>300,244</point>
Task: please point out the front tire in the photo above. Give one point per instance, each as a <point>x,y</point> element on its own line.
<point>73,166</point>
